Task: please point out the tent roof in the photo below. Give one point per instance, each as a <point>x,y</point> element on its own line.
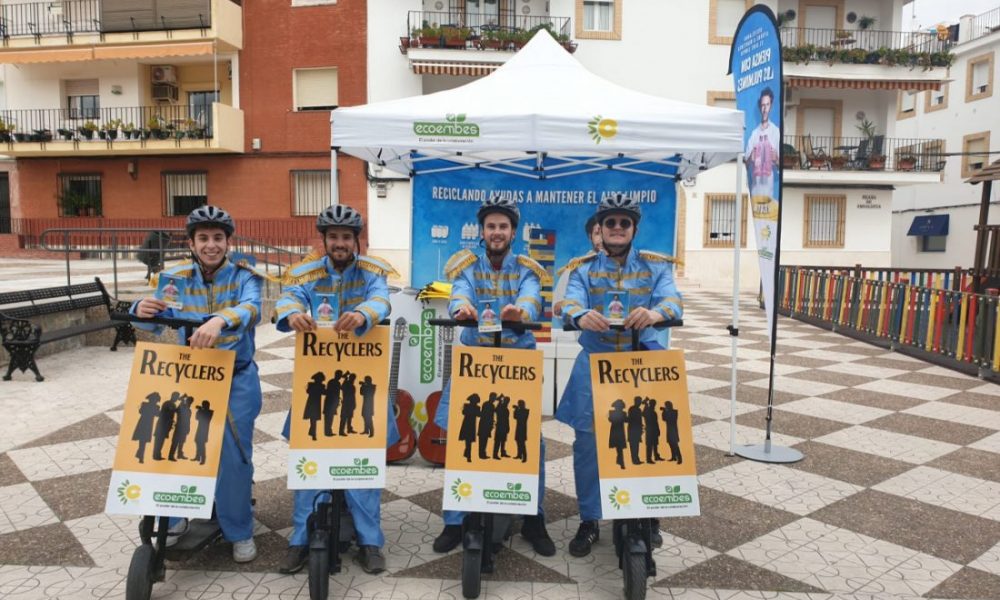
<point>544,103</point>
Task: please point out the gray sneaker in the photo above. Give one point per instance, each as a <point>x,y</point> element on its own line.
<point>176,531</point>
<point>244,551</point>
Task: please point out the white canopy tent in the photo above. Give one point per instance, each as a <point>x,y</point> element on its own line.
<point>543,115</point>
<point>544,103</point>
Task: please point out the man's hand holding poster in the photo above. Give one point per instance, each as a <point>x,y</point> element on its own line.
<point>339,410</point>
<point>642,421</point>
<point>171,434</point>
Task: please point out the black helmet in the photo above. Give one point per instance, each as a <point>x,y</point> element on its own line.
<point>212,216</point>
<point>619,204</point>
<point>339,215</point>
<point>497,204</point>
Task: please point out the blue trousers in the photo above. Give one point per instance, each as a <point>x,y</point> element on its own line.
<point>234,485</point>
<point>588,485</point>
<point>365,507</point>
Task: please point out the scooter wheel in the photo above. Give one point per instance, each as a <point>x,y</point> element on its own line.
<point>472,576</point>
<point>634,570</point>
<point>319,574</point>
<point>139,583</point>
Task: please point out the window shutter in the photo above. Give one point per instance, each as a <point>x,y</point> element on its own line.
<point>315,88</point>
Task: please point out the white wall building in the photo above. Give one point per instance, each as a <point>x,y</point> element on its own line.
<point>833,215</point>
<point>965,113</point>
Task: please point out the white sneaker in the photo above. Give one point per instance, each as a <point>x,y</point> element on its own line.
<point>244,551</point>
<point>176,531</point>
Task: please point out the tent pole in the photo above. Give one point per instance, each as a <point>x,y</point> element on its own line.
<point>334,188</point>
<point>734,329</point>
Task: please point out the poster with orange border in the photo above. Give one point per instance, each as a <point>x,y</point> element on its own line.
<point>494,433</point>
<point>171,434</point>
<point>340,396</point>
<point>642,421</point>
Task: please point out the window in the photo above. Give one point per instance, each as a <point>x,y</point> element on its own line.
<point>975,147</point>
<point>932,156</point>
<point>824,222</point>
<point>82,98</point>
<point>933,243</point>
<point>721,99</point>
<point>79,195</point>
<point>979,77</point>
<point>310,192</point>
<point>906,104</point>
<point>936,99</point>
<point>599,19</point>
<point>315,89</point>
<point>723,17</point>
<point>184,192</point>
<point>720,221</point>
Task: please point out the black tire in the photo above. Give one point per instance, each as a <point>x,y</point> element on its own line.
<point>319,574</point>
<point>472,575</point>
<point>139,583</point>
<point>634,571</point>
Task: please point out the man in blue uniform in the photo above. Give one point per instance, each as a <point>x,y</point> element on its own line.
<point>514,282</point>
<point>360,284</point>
<point>648,278</point>
<point>226,296</point>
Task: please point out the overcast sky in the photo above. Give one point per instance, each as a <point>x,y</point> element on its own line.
<point>931,12</point>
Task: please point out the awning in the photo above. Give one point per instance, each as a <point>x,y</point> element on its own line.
<point>25,57</point>
<point>453,68</point>
<point>855,84</point>
<point>138,51</point>
<point>929,225</point>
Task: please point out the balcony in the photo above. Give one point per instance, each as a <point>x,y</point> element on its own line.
<point>81,30</point>
<point>122,131</point>
<point>459,43</point>
<point>875,160</point>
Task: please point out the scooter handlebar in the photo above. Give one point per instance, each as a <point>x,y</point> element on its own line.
<point>660,325</point>
<point>516,326</point>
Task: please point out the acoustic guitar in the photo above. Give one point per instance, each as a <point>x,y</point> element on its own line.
<point>402,402</point>
<point>432,440</point>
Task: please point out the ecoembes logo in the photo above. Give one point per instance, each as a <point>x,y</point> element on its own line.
<point>513,493</point>
<point>360,468</point>
<point>129,492</point>
<point>422,335</point>
<point>187,495</point>
<point>454,126</point>
<point>671,495</point>
<point>306,468</point>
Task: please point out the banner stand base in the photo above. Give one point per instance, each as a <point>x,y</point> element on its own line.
<point>769,453</point>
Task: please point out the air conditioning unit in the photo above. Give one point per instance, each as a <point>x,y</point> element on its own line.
<point>164,74</point>
<point>164,92</point>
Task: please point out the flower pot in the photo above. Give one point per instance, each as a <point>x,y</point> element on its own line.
<point>21,137</point>
<point>789,161</point>
<point>838,162</point>
<point>430,42</point>
<point>906,164</point>
<point>876,163</point>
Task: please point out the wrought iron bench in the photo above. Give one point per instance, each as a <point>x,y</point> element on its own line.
<point>21,338</point>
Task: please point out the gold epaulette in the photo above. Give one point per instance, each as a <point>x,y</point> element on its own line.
<point>531,264</point>
<point>377,265</point>
<point>576,262</point>
<point>245,265</point>
<point>184,268</point>
<point>658,257</point>
<point>308,269</point>
<point>458,262</point>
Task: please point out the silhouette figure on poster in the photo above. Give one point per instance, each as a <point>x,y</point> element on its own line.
<point>367,390</point>
<point>521,430</point>
<point>349,401</point>
<point>502,417</point>
<point>467,432</point>
<point>164,423</point>
<point>314,397</point>
<point>143,431</point>
<point>634,422</point>
<point>652,431</point>
<point>331,403</point>
<point>616,438</point>
<point>673,436</point>
<point>204,417</point>
<point>181,428</point>
<point>486,422</point>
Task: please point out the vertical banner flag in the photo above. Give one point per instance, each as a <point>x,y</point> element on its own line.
<point>171,434</point>
<point>340,395</point>
<point>495,431</point>
<point>645,447</point>
<point>755,62</point>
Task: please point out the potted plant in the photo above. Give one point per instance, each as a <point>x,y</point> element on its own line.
<point>865,22</point>
<point>110,129</point>
<point>838,161</point>
<point>786,17</point>
<point>490,39</point>
<point>430,35</point>
<point>455,37</point>
<point>20,136</point>
<point>87,130</point>
<point>5,130</point>
<point>129,131</point>
<point>906,162</point>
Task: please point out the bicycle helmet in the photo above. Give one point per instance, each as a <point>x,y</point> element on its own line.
<point>339,215</point>
<point>619,204</point>
<point>501,205</point>
<point>211,216</point>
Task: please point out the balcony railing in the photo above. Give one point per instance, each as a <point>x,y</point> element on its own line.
<point>872,47</point>
<point>985,24</point>
<point>877,153</point>
<point>66,17</point>
<point>462,30</point>
<point>108,124</point>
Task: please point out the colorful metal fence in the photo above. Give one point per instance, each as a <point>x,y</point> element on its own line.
<point>955,325</point>
<point>957,279</point>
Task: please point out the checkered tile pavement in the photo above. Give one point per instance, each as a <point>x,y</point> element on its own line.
<point>898,496</point>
